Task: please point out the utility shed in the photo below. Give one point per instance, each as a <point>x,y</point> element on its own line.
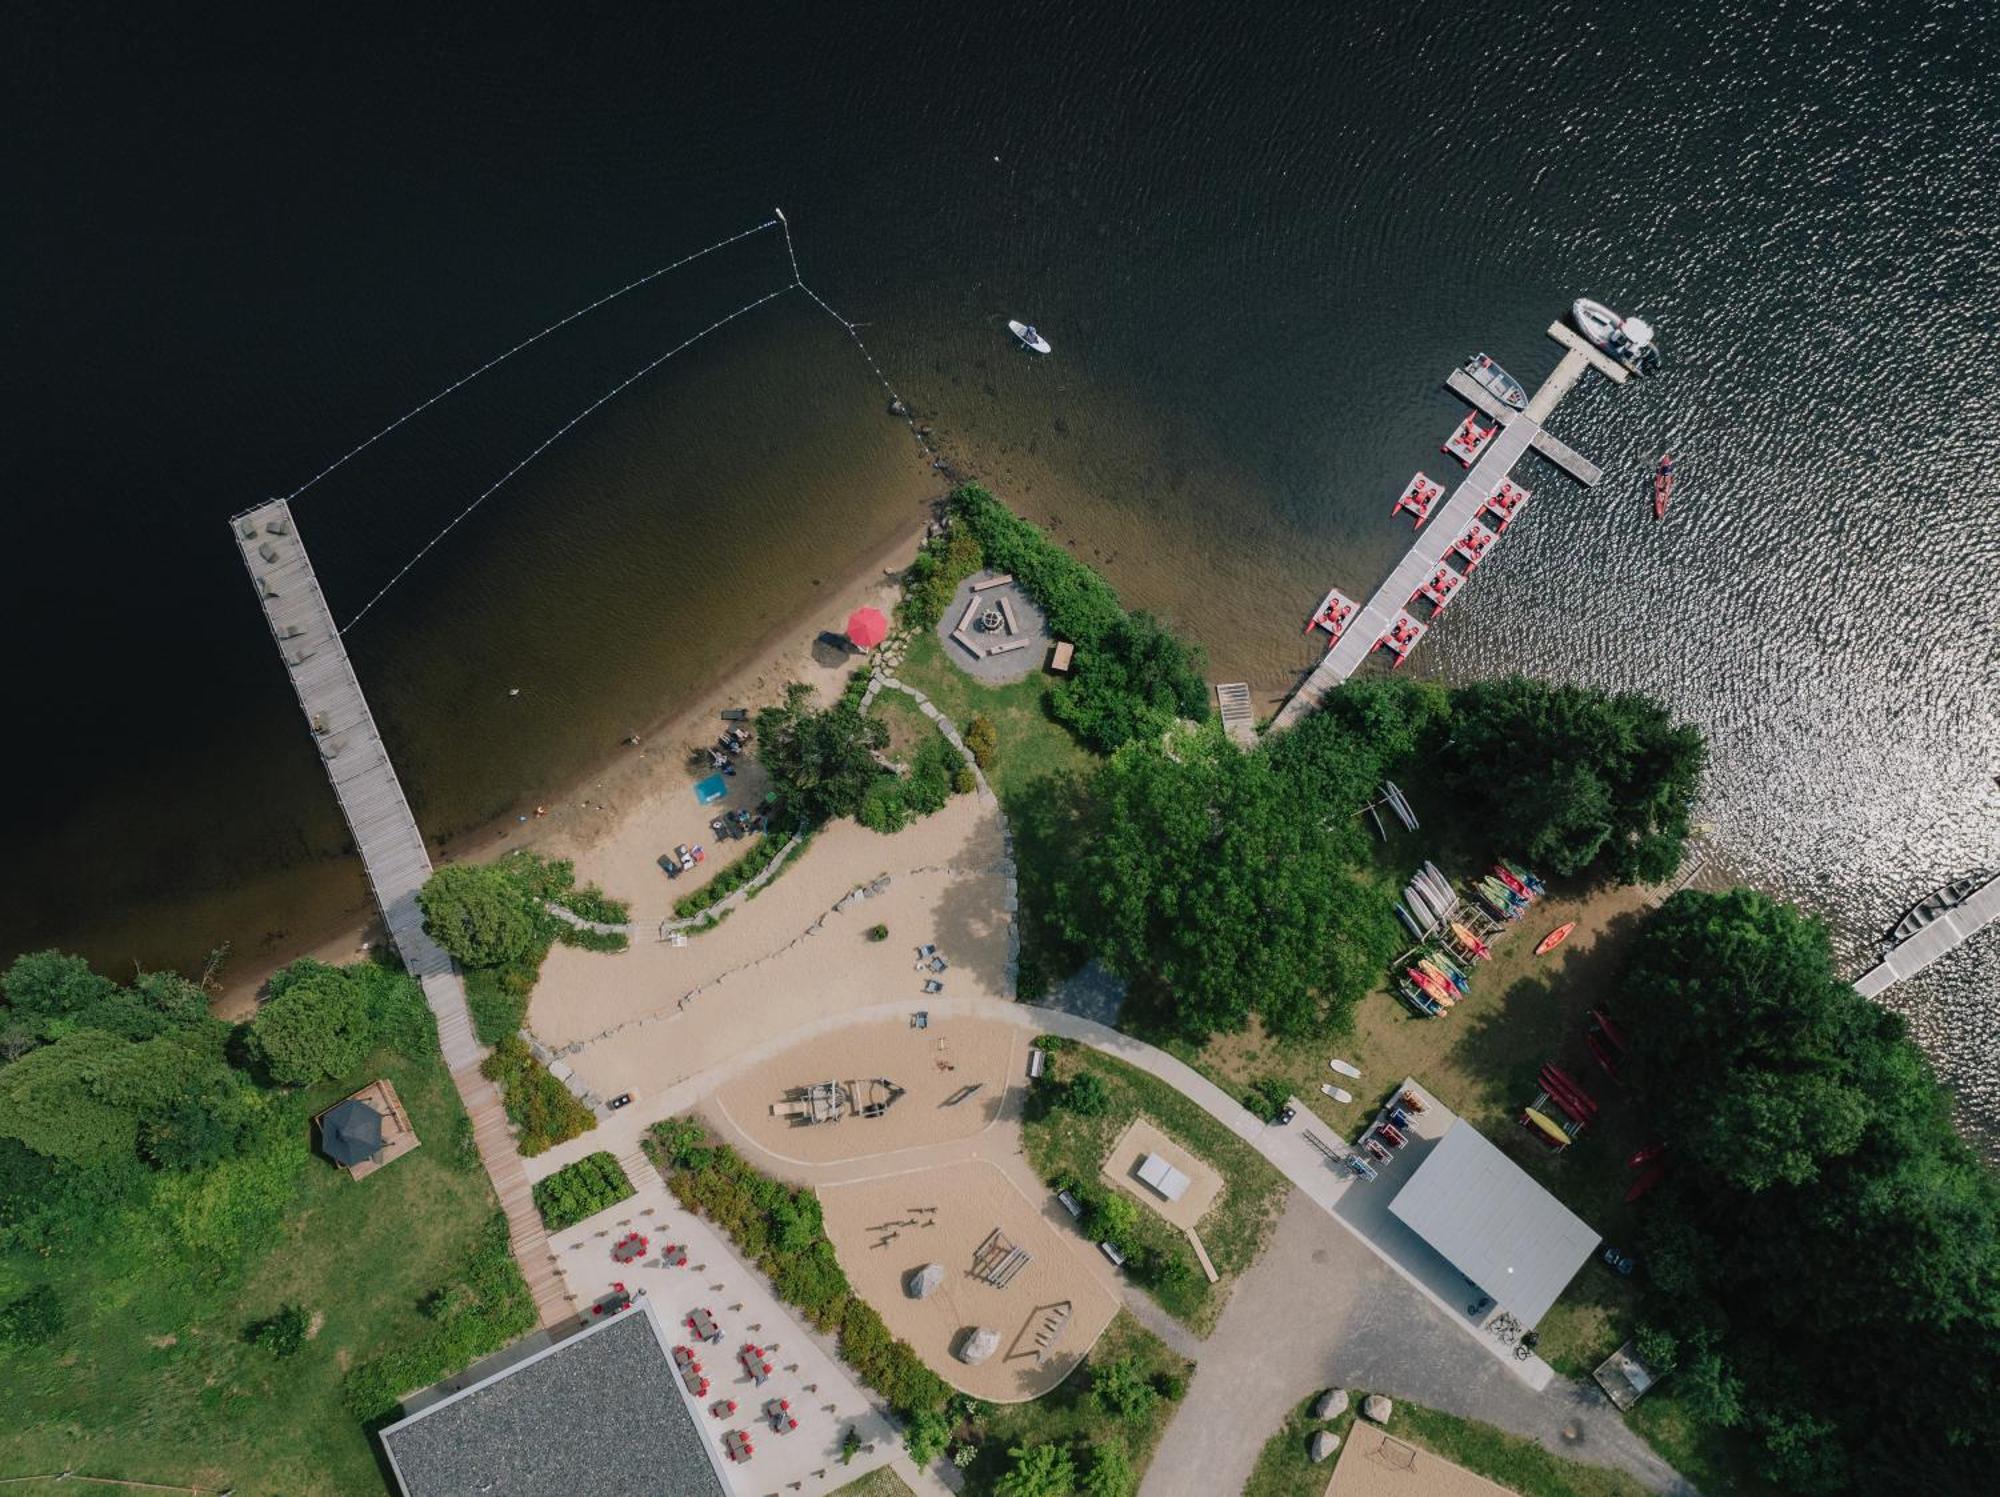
<point>1169,1182</point>
<point>1489,1219</point>
<point>600,1413</point>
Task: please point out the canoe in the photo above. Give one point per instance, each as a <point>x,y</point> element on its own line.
<point>1433,987</point>
<point>1607,1028</point>
<point>1646,1182</point>
<point>1646,1156</point>
<point>1479,949</point>
<point>1555,938</point>
<point>1443,974</point>
<point>1345,1068</point>
<point>1544,1127</point>
<point>1534,884</point>
<point>1511,882</point>
<point>1336,1093</point>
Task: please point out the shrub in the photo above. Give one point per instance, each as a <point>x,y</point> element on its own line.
<point>963,782</point>
<point>314,1026</point>
<point>540,1106</point>
<point>1109,1473</point>
<point>31,1320</point>
<point>1038,1471</point>
<point>982,740</point>
<point>1172,1386</point>
<point>1087,1095</point>
<point>850,1445</point>
<point>497,998</point>
<point>594,1183</point>
<point>281,1334</point>
<point>767,851</point>
<point>1272,1093</point>
<point>944,562</point>
<point>878,932</point>
<point>926,1435</point>
<point>1120,1387</point>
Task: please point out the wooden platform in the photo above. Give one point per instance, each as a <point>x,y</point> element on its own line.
<point>1949,931</point>
<point>1239,718</point>
<point>392,849</point>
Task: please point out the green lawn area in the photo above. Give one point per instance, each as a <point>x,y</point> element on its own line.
<point>1062,1142</point>
<point>908,726</point>
<point>881,1482</point>
<point>150,1378</point>
<point>1032,774</point>
<point>1283,1470</point>
<point>1069,1416</point>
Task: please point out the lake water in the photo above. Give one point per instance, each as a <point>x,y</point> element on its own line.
<point>1258,238</point>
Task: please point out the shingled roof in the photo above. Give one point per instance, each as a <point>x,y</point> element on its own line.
<point>599,1413</point>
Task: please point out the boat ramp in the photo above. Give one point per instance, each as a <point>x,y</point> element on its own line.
<point>1519,431</point>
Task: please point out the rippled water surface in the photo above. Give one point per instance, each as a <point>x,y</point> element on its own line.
<point>1258,237</point>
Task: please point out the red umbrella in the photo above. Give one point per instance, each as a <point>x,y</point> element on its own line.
<point>866,628</point>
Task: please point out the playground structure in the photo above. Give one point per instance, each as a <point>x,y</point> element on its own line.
<point>997,1260</point>
<point>830,1101</point>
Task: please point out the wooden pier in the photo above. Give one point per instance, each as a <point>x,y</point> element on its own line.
<point>392,853</point>
<point>1519,432</point>
<point>1239,718</point>
<point>1948,931</point>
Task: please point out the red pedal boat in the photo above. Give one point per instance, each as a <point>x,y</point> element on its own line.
<point>1663,485</point>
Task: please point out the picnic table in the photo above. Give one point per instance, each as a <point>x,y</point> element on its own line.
<point>702,1323</point>
<point>689,1367</point>
<point>752,1358</point>
<point>629,1249</point>
<point>737,1446</point>
<point>779,1412</point>
<point>674,1255</point>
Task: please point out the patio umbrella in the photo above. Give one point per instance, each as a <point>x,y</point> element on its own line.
<point>350,1132</point>
<point>866,628</point>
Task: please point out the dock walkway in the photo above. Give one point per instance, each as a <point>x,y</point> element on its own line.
<point>392,853</point>
<point>1947,932</point>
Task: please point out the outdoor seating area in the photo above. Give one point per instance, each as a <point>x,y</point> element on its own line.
<point>367,1130</point>
<point>993,629</point>
<point>1168,1179</point>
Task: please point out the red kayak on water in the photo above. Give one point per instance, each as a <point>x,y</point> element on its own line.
<point>1663,485</point>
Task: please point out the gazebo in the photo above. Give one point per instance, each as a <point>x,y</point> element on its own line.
<point>350,1132</point>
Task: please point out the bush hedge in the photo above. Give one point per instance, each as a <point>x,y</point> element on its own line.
<point>894,801</point>
<point>944,562</point>
<point>782,1232</point>
<point>594,1183</point>
<point>540,1106</point>
<point>767,851</point>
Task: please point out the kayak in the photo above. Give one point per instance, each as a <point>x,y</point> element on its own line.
<point>1443,974</point>
<point>1535,885</point>
<point>1432,986</point>
<point>1663,485</point>
<point>1543,1126</point>
<point>1646,1182</point>
<point>1476,948</point>
<point>1645,1156</point>
<point>1610,1030</point>
<point>1512,882</point>
<point>1555,938</point>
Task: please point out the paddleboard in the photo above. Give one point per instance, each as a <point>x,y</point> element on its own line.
<point>1345,1069</point>
<point>1336,1093</point>
<point>1029,337</point>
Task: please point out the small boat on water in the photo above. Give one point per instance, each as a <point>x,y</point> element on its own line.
<point>1663,485</point>
<point>1629,340</point>
<point>1497,381</point>
<point>1934,904</point>
<point>1025,331</point>
<point>1332,615</point>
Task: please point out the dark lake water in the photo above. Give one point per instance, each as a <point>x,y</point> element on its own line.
<point>1258,236</point>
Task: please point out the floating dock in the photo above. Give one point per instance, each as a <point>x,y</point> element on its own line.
<point>392,853</point>
<point>1951,929</point>
<point>1519,432</point>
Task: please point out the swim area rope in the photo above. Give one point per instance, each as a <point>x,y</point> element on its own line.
<point>797,283</point>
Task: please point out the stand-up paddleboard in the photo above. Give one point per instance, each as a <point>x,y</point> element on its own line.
<point>1336,1093</point>
<point>1345,1068</point>
<point>1554,938</point>
<point>1025,331</point>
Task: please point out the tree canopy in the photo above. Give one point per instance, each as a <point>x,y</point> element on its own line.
<point>821,762</point>
<point>481,914</point>
<point>1823,1258</point>
<point>1574,779</point>
<point>315,1024</point>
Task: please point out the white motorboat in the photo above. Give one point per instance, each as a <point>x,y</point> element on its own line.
<point>1629,340</point>
<point>1025,331</point>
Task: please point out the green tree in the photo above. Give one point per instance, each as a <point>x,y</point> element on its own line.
<point>83,1097</point>
<point>282,1334</point>
<point>316,1024</point>
<point>1576,779</point>
<point>1120,1387</point>
<point>822,763</point>
<point>1086,1094</point>
<point>1109,1470</point>
<point>1038,1471</point>
<point>926,1435</point>
<point>481,914</point>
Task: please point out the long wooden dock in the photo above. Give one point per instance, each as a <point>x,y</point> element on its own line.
<point>1948,931</point>
<point>392,852</point>
<point>1519,432</point>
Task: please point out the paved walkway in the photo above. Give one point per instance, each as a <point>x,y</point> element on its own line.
<point>1319,1310</point>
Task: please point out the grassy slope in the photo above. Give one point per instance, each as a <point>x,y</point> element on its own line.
<point>881,1482</point>
<point>1236,1225</point>
<point>151,1380</point>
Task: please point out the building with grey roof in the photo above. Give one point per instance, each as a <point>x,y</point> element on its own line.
<point>1490,1220</point>
<point>600,1413</point>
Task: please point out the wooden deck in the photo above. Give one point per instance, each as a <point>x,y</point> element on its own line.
<point>1949,931</point>
<point>392,849</point>
<point>1239,718</point>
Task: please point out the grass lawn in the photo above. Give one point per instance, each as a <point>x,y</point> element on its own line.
<point>150,1378</point>
<point>1069,1416</point>
<point>1032,774</point>
<point>908,727</point>
<point>1283,1469</point>
<point>1062,1142</point>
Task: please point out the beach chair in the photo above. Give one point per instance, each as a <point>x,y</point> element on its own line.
<point>932,985</point>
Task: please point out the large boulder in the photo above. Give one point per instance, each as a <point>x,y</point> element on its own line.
<point>922,1281</point>
<point>978,1344</point>
<point>1323,1444</point>
<point>1376,1409</point>
<point>1332,1404</point>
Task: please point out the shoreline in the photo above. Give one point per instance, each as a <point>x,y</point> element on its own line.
<point>605,803</point>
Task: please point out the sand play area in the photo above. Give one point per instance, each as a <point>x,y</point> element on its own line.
<point>1374,1463</point>
<point>954,1075</point>
<point>1141,1138</point>
<point>1049,1313</point>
